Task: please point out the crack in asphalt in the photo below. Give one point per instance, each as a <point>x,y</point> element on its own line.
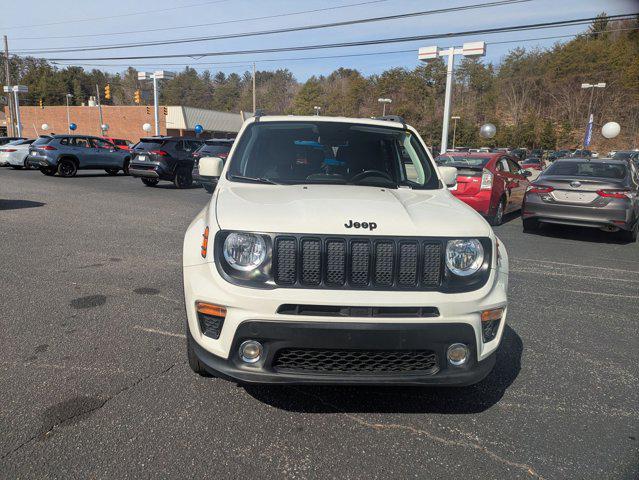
<point>44,433</point>
<point>418,431</point>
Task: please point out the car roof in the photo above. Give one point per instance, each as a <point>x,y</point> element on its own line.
<point>616,161</point>
<point>220,140</point>
<point>162,138</point>
<point>475,154</point>
<point>320,118</point>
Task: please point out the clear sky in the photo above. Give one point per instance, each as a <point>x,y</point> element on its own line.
<point>41,24</point>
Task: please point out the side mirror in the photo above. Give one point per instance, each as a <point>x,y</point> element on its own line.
<point>526,173</point>
<point>449,175</point>
<point>211,167</point>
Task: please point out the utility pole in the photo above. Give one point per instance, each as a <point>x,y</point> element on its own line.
<point>155,76</point>
<point>7,81</point>
<point>68,95</point>
<point>97,91</point>
<point>454,129</point>
<point>471,49</point>
<point>254,102</point>
<point>589,125</point>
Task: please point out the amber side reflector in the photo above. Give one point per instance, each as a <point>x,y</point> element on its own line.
<point>205,242</point>
<point>491,315</point>
<point>210,309</point>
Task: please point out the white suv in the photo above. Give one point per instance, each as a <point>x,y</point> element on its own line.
<point>333,252</point>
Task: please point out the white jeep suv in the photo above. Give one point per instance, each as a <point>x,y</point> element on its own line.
<point>333,252</point>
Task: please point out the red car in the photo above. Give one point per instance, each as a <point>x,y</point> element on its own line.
<point>492,183</point>
<point>119,143</point>
<point>532,163</point>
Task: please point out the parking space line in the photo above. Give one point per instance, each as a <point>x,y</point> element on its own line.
<point>556,274</point>
<point>575,265</point>
<point>160,332</point>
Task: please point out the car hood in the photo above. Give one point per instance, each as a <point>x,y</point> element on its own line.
<point>327,209</point>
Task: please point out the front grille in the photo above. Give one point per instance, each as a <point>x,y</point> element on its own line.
<point>300,360</point>
<point>358,262</point>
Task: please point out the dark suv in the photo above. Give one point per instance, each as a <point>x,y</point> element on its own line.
<point>211,148</point>
<point>66,154</point>
<point>164,158</point>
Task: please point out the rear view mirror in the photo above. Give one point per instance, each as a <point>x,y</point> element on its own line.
<point>449,175</point>
<point>211,167</point>
<point>526,173</point>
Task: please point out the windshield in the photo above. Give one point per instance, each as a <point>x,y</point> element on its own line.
<point>462,161</point>
<point>624,155</point>
<point>615,171</point>
<point>331,152</point>
<point>213,150</point>
<point>42,141</point>
<point>149,144</point>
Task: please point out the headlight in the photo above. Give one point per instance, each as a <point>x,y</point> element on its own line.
<point>464,257</point>
<point>244,251</point>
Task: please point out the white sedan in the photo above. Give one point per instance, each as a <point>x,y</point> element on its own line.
<point>15,153</point>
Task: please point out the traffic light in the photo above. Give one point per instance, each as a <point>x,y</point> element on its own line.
<point>166,111</point>
<point>41,104</point>
<point>136,97</point>
<point>148,110</point>
<point>107,91</point>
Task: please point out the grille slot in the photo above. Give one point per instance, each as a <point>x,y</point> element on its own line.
<point>358,262</point>
<point>355,361</point>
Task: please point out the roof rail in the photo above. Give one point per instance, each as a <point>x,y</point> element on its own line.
<point>392,118</point>
<point>258,113</point>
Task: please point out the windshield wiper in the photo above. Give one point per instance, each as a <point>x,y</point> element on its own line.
<point>253,179</point>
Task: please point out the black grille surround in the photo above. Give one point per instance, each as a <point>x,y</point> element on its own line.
<point>372,362</point>
<point>383,263</point>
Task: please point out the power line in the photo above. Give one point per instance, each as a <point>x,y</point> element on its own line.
<point>484,31</point>
<point>274,31</point>
<point>235,64</point>
<point>146,12</point>
<point>225,22</point>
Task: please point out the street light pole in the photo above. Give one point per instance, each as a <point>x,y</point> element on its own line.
<point>471,49</point>
<point>454,129</point>
<point>68,115</point>
<point>317,110</point>
<point>589,122</point>
<point>384,102</point>
<point>156,108</point>
<point>254,93</point>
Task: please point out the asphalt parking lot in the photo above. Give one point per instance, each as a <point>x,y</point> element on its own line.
<point>94,381</point>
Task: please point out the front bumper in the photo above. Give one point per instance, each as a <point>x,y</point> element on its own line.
<point>373,337</point>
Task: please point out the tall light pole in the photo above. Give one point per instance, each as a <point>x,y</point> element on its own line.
<point>254,93</point>
<point>68,96</point>
<point>454,129</point>
<point>426,54</point>
<point>317,110</point>
<point>17,89</point>
<point>155,76</point>
<point>589,125</point>
<point>384,102</point>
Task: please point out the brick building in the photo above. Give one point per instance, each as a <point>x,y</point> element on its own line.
<point>126,121</point>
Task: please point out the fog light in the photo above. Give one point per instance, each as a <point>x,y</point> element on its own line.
<point>250,351</point>
<point>457,354</point>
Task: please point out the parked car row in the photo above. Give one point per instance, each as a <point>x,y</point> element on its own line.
<point>152,159</point>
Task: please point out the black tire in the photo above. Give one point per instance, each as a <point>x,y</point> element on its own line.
<point>530,224</point>
<point>209,187</point>
<point>26,165</point>
<point>498,217</point>
<point>67,168</point>
<point>183,178</point>
<point>150,182</point>
<point>125,166</point>
<point>629,236</point>
<point>194,362</point>
<point>48,171</point>
<point>112,171</point>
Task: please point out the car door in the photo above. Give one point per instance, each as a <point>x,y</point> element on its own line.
<point>83,150</point>
<point>107,156</point>
<point>519,181</point>
<point>511,183</point>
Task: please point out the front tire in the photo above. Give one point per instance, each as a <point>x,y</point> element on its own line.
<point>183,178</point>
<point>194,362</point>
<point>112,171</point>
<point>125,166</point>
<point>150,182</point>
<point>48,171</point>
<point>210,188</point>
<point>629,236</point>
<point>67,168</point>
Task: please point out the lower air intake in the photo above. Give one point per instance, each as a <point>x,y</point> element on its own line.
<point>300,360</point>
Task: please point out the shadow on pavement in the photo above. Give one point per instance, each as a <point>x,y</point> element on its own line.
<point>581,234</point>
<point>18,204</point>
<point>451,400</point>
